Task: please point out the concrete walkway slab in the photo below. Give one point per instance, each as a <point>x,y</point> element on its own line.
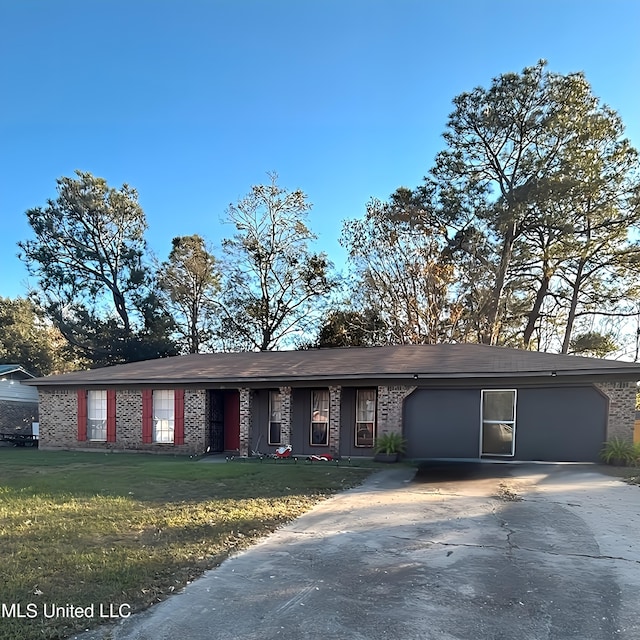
<point>482,552</point>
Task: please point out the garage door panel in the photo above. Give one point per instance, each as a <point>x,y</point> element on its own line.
<point>560,424</point>
<point>442,423</point>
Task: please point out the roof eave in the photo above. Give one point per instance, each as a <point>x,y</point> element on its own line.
<point>620,373</point>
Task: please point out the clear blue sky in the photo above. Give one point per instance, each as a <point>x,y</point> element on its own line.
<point>193,101</point>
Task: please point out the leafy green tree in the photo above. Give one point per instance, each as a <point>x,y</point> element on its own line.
<point>534,163</point>
<point>87,256</point>
<point>503,144</point>
<point>273,285</point>
<point>189,281</point>
<point>28,340</point>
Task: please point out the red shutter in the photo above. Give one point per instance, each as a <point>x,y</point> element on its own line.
<point>111,415</point>
<point>147,415</point>
<point>178,416</point>
<point>82,414</point>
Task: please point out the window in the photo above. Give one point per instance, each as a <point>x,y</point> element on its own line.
<point>163,416</point>
<point>97,415</point>
<point>275,417</point>
<point>498,422</point>
<point>320,418</point>
<point>365,417</point>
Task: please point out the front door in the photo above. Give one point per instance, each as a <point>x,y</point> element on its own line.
<point>216,422</point>
<point>224,421</point>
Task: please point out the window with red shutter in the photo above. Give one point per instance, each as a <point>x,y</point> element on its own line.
<point>178,433</point>
<point>82,415</point>
<point>111,415</point>
<point>147,415</point>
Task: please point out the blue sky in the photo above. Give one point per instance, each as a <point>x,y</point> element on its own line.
<point>193,101</point>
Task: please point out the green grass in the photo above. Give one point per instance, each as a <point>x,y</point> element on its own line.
<point>92,528</point>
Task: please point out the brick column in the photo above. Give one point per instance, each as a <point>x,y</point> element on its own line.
<point>335,394</point>
<point>622,409</point>
<point>245,420</point>
<point>390,401</point>
<point>285,416</point>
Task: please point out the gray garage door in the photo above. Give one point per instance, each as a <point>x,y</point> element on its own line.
<point>552,424</point>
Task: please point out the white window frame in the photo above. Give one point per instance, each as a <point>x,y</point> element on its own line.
<point>360,425</point>
<point>275,416</point>
<point>97,415</point>
<point>511,423</point>
<point>326,422</point>
<point>164,416</point>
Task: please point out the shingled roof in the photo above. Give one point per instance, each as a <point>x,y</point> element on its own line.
<point>406,362</point>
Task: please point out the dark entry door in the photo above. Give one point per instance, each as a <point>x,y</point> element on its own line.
<point>231,421</point>
<point>216,422</point>
<point>224,421</point>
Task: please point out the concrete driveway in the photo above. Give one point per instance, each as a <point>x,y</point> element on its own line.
<point>473,552</point>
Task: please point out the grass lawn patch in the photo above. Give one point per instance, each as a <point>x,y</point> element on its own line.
<point>95,529</point>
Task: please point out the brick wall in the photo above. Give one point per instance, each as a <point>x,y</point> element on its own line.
<point>58,419</point>
<point>285,415</point>
<point>17,416</point>
<point>335,393</point>
<point>245,420</point>
<point>622,408</point>
<point>59,423</point>
<point>390,401</point>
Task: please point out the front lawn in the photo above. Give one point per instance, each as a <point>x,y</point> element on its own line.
<point>97,530</point>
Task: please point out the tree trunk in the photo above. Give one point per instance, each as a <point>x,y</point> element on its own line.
<point>534,314</point>
<point>496,294</point>
<point>573,307</point>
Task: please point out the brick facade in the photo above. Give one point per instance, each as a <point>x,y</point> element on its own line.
<point>285,415</point>
<point>59,423</point>
<point>622,408</point>
<point>389,410</point>
<point>335,393</point>
<point>245,420</point>
<point>58,419</point>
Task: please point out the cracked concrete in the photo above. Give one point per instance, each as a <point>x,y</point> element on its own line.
<point>482,552</point>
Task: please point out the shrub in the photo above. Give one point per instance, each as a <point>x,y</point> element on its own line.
<point>618,451</point>
<point>390,443</point>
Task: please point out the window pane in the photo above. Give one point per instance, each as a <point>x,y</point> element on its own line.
<point>497,439</point>
<point>276,406</point>
<point>275,433</point>
<point>365,417</point>
<point>319,433</point>
<point>320,418</point>
<point>320,406</point>
<point>163,415</point>
<point>275,417</point>
<point>97,415</point>
<point>364,434</point>
<point>498,405</point>
<point>366,409</point>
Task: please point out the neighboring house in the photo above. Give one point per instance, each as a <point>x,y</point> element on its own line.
<point>449,401</point>
<point>18,403</point>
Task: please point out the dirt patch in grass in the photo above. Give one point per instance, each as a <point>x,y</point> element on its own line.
<point>96,530</point>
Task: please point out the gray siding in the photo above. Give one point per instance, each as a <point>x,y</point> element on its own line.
<point>300,420</point>
<point>13,391</point>
<point>348,425</point>
<point>560,424</point>
<point>260,420</point>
